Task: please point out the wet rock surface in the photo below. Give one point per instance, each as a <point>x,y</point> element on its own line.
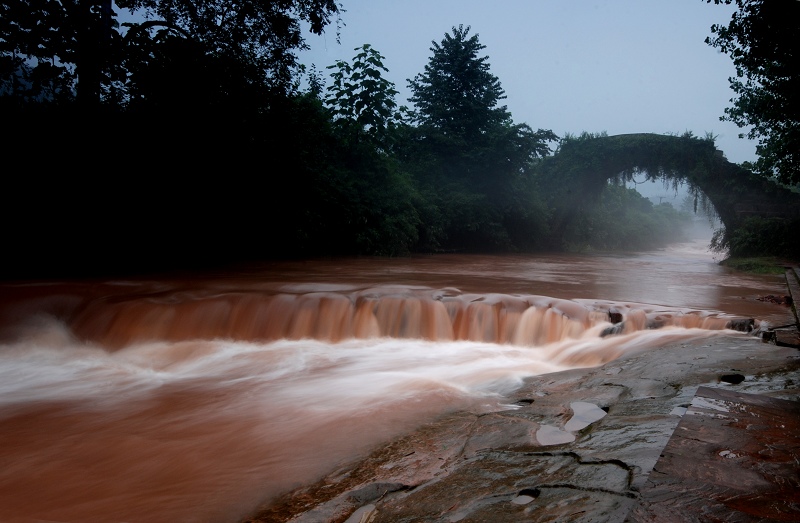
<point>578,446</point>
<point>733,457</point>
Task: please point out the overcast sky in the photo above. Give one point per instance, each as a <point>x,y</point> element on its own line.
<point>620,66</point>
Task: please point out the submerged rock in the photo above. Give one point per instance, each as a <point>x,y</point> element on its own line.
<point>618,328</point>
<point>742,325</point>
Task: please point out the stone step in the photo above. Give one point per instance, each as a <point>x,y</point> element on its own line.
<point>732,457</point>
<point>793,282</point>
<point>783,337</point>
<point>788,335</point>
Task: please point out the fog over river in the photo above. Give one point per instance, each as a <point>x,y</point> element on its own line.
<point>196,398</point>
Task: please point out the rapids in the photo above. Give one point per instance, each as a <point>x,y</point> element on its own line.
<point>197,398</point>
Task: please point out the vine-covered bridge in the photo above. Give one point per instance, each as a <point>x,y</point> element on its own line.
<point>583,166</point>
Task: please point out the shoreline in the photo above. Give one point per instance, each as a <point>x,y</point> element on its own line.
<point>467,467</point>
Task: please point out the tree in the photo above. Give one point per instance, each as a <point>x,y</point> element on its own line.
<point>763,40</point>
<point>362,100</point>
<point>456,107</point>
<point>257,31</point>
<point>456,94</point>
<point>45,45</point>
<point>467,153</point>
<point>55,49</point>
<point>622,219</point>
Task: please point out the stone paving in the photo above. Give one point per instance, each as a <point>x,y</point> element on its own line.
<point>733,457</point>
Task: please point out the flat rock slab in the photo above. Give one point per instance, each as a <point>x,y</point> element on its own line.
<point>473,467</point>
<point>733,457</point>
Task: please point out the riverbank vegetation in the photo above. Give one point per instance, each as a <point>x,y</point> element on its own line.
<point>190,140</point>
<point>624,220</point>
<point>759,236</point>
<point>757,265</point>
<point>764,49</point>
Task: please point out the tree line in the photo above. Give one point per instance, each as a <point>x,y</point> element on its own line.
<point>193,137</point>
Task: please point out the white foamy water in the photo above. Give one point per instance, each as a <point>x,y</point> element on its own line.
<point>205,430</point>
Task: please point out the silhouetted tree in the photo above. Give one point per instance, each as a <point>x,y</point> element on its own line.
<point>469,152</point>
<point>763,40</point>
<point>60,49</point>
<point>263,32</point>
<point>362,101</point>
<point>456,108</point>
<point>195,103</point>
<point>457,95</point>
<point>47,45</point>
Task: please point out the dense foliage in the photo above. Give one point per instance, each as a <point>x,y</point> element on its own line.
<point>362,101</point>
<point>763,40</point>
<point>457,95</point>
<point>761,236</point>
<point>585,163</point>
<point>209,152</point>
<point>47,45</point>
<point>623,220</point>
<point>476,163</point>
<point>252,31</point>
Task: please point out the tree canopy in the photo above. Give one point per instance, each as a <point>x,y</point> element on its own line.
<point>763,40</point>
<point>263,32</point>
<point>457,98</point>
<point>214,87</point>
<point>361,99</point>
<point>60,49</point>
<point>457,94</point>
<point>468,153</point>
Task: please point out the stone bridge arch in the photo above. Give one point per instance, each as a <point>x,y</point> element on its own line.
<point>583,166</point>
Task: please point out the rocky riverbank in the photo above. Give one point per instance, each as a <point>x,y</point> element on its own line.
<point>571,446</point>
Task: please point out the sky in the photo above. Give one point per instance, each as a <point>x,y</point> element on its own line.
<point>619,66</point>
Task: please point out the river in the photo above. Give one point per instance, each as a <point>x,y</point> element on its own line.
<point>196,398</point>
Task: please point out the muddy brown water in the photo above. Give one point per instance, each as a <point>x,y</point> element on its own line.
<point>195,398</point>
